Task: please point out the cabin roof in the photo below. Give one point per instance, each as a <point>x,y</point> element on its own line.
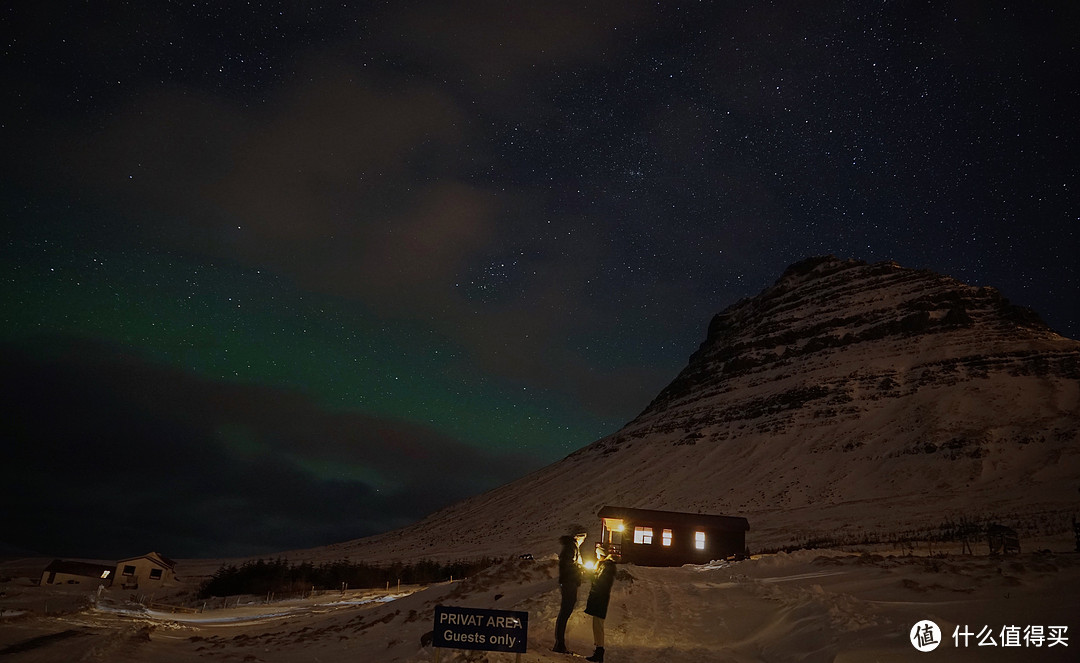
<point>74,568</point>
<point>732,523</point>
<point>155,557</point>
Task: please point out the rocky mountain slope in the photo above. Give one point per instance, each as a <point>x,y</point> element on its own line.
<point>848,401</point>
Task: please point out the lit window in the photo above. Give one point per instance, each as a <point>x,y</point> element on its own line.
<point>699,540</point>
<point>666,537</point>
<point>105,574</point>
<point>613,530</point>
<point>643,535</point>
<point>613,524</point>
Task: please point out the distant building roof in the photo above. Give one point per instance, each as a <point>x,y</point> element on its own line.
<point>87,569</point>
<point>155,557</point>
<point>734,523</point>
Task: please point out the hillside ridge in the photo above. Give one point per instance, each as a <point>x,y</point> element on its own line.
<point>847,400</point>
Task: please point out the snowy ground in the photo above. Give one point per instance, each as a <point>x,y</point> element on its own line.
<point>251,612</point>
<point>806,606</point>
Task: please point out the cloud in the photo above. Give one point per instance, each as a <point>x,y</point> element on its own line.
<point>110,455</point>
<point>493,42</point>
<point>321,184</point>
<point>330,185</point>
<point>355,179</point>
<point>339,183</point>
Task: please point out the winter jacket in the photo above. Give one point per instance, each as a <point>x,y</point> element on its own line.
<point>569,562</point>
<point>600,592</point>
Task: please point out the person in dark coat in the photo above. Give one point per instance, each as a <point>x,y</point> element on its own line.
<point>599,596</point>
<point>570,576</point>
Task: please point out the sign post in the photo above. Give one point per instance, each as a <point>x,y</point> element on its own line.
<point>485,630</point>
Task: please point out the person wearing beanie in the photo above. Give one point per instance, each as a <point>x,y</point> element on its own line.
<point>570,576</point>
<point>599,596</point>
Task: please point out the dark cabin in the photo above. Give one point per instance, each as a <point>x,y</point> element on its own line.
<point>68,572</point>
<point>671,538</point>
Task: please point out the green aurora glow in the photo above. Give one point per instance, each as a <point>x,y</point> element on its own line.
<point>225,323</point>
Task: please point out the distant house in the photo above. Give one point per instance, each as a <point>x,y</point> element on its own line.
<point>148,571</point>
<point>671,538</point>
<point>67,572</point>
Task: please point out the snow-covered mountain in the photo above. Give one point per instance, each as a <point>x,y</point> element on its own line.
<point>847,400</point>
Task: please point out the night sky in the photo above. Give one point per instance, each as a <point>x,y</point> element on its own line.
<point>277,275</point>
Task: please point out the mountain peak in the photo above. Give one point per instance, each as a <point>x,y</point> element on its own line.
<point>847,397</point>
<point>827,306</point>
<point>817,266</point>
